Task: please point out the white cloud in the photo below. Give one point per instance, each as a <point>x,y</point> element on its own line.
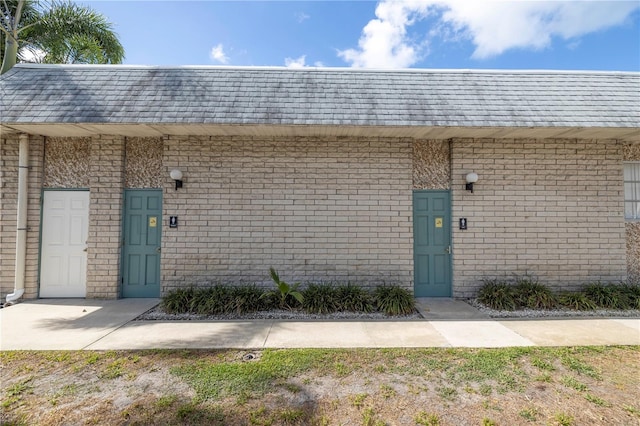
<point>217,54</point>
<point>384,42</point>
<point>495,27</point>
<point>301,17</point>
<point>32,55</point>
<point>295,62</point>
<point>301,62</point>
<point>492,26</point>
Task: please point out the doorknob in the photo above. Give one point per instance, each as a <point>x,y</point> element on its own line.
<point>448,250</point>
<point>158,249</point>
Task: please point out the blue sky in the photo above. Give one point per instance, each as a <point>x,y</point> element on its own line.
<point>589,35</point>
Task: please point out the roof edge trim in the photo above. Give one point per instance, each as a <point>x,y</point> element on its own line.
<point>332,69</point>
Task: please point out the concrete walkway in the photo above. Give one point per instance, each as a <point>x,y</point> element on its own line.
<point>75,324</point>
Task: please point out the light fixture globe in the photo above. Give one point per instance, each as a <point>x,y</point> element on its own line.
<point>176,174</point>
<point>471,178</point>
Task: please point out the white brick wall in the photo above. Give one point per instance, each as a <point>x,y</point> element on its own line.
<point>8,195</point>
<point>106,182</point>
<point>327,209</point>
<point>9,148</point>
<point>316,209</point>
<point>548,208</point>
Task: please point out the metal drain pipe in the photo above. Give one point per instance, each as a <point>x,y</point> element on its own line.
<point>21,233</point>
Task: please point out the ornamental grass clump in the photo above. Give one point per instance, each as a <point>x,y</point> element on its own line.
<point>608,296</point>
<point>320,299</point>
<point>211,300</point>
<point>178,301</point>
<point>533,295</point>
<point>576,301</point>
<point>497,294</point>
<point>248,298</point>
<point>352,298</point>
<point>633,294</point>
<point>394,300</point>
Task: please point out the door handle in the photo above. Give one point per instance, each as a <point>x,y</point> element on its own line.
<point>158,249</point>
<point>448,250</point>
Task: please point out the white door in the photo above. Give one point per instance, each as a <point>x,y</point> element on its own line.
<point>65,225</point>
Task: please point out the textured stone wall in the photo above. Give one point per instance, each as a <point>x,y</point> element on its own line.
<point>66,162</point>
<point>9,150</point>
<point>547,208</point>
<point>431,164</point>
<point>106,182</point>
<point>631,152</point>
<point>143,163</point>
<point>316,209</point>
<point>633,251</point>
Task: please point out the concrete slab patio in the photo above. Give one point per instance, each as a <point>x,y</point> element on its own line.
<point>105,325</point>
<point>65,323</point>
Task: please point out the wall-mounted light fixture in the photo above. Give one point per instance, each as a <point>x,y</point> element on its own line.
<point>471,179</point>
<point>177,176</point>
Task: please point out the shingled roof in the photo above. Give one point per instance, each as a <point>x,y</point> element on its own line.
<point>160,98</point>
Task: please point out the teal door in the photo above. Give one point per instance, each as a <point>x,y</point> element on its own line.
<point>432,243</point>
<point>141,249</point>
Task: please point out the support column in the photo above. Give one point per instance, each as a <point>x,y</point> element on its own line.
<point>21,229</point>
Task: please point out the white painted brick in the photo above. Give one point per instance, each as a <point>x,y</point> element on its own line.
<point>549,208</point>
<point>310,207</point>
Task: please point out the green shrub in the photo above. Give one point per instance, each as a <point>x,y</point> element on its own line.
<point>212,300</point>
<point>497,294</point>
<point>607,296</point>
<point>320,299</point>
<point>352,298</point>
<point>177,301</point>
<point>247,298</point>
<point>632,291</point>
<point>286,294</point>
<point>533,295</point>
<point>577,301</point>
<point>394,300</point>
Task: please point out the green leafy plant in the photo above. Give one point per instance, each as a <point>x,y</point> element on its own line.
<point>533,295</point>
<point>632,291</point>
<point>353,298</point>
<point>573,383</point>
<point>562,419</point>
<point>530,414</point>
<point>607,296</point>
<point>320,299</point>
<point>178,301</point>
<point>497,294</point>
<point>427,419</point>
<point>358,399</point>
<point>596,400</point>
<point>246,299</point>
<point>286,293</point>
<point>212,300</point>
<point>394,300</point>
<point>577,301</point>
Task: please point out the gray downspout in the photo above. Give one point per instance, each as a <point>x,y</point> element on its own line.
<point>21,233</point>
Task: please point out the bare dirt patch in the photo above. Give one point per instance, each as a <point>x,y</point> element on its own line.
<point>546,386</point>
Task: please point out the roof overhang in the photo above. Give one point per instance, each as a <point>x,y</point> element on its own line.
<point>417,132</point>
